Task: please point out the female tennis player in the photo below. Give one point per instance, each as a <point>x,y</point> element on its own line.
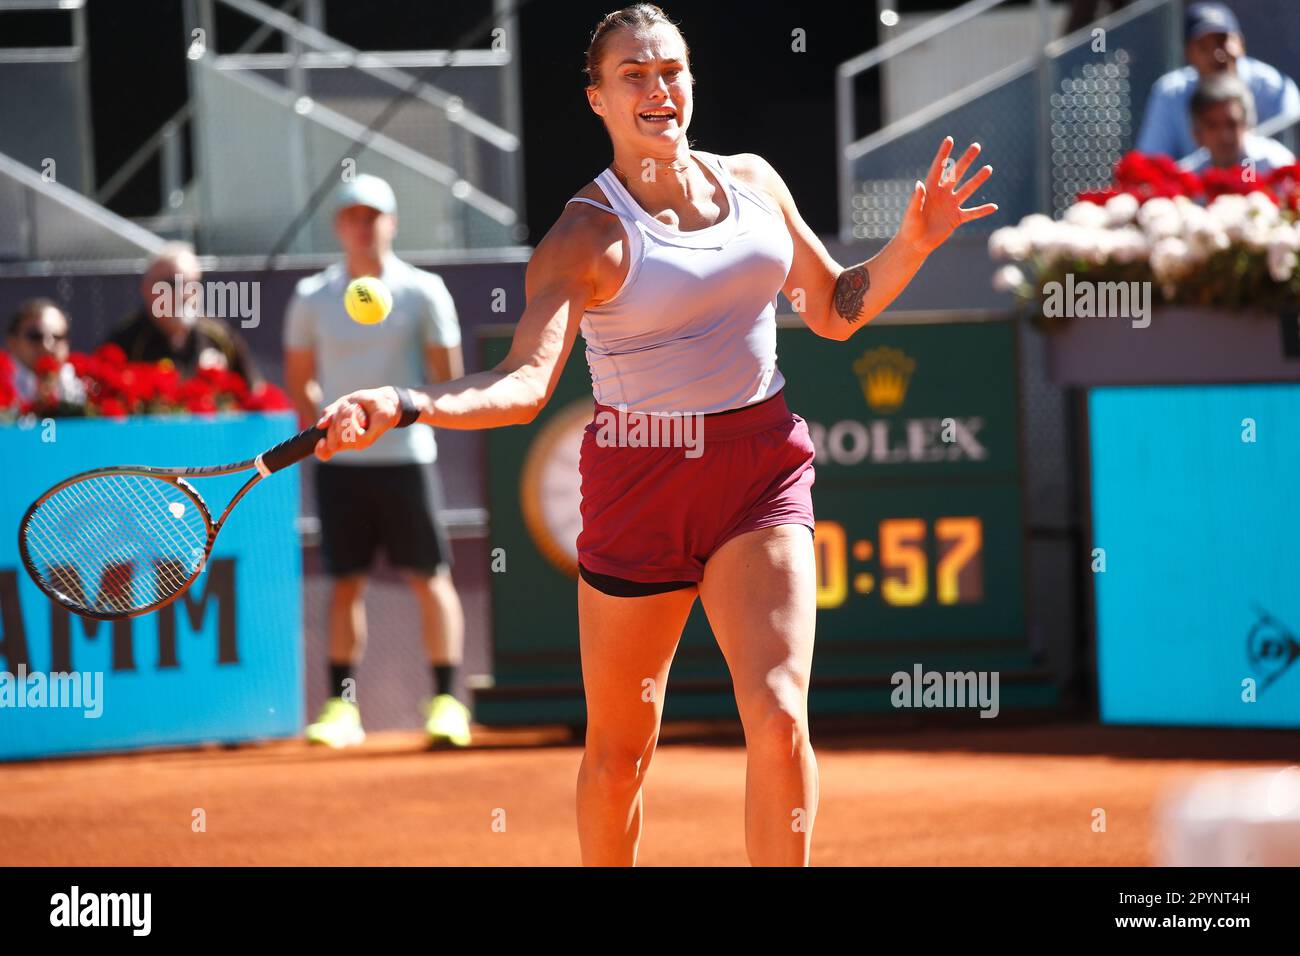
<point>669,264</point>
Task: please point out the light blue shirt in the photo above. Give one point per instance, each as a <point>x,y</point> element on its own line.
<point>1267,155</point>
<point>1167,122</point>
<point>350,356</point>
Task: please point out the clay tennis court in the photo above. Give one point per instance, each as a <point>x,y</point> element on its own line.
<point>918,796</point>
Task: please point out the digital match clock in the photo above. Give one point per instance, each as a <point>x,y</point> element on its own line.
<point>904,574</point>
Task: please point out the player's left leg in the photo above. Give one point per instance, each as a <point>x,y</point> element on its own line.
<point>759,591</point>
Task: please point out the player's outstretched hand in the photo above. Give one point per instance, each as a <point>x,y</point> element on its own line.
<point>934,211</point>
<point>356,420</point>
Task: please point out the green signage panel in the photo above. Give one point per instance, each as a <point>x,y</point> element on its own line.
<point>919,537</point>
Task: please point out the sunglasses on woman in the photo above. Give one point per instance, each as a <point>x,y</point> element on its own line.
<point>37,337</point>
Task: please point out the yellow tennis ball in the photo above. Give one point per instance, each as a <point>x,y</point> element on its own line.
<point>368,300</point>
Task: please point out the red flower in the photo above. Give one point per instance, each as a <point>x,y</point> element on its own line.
<point>6,367</point>
<point>234,383</point>
<point>111,354</point>
<point>109,380</point>
<point>266,398</point>
<point>112,408</point>
<point>1097,197</point>
<point>1285,185</point>
<point>138,383</point>
<point>116,388</point>
<point>1133,167</point>
<point>81,363</point>
<point>223,381</point>
<point>1220,182</point>
<point>1146,177</point>
<point>191,389</point>
<point>202,403</point>
<point>47,365</point>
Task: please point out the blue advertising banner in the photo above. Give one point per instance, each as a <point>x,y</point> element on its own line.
<point>222,663</point>
<point>1195,515</point>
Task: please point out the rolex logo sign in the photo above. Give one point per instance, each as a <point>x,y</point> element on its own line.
<point>884,374</point>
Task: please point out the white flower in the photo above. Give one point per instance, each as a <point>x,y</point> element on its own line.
<point>1231,213</point>
<point>1160,218</point>
<point>1281,263</point>
<point>1121,209</point>
<point>1193,216</point>
<point>1036,221</point>
<point>1286,235</point>
<point>1009,279</point>
<point>1009,242</point>
<point>1262,208</point>
<point>1072,243</point>
<point>1129,245</point>
<point>1047,239</point>
<point>1159,207</point>
<point>1206,237</point>
<point>1087,214</point>
<point>1170,258</point>
<point>1090,244</point>
<point>1256,234</point>
<point>1283,243</point>
<point>1038,232</point>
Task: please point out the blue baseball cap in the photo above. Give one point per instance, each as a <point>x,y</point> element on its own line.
<point>366,190</point>
<point>1203,18</point>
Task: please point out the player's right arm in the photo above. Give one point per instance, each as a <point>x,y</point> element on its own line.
<point>568,270</point>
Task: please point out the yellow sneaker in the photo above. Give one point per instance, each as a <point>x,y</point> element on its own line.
<point>339,725</point>
<point>448,721</point>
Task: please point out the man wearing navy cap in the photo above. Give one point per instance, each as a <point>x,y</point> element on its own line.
<point>1214,46</point>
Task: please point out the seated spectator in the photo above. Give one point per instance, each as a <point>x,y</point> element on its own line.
<point>176,330</point>
<point>1214,47</point>
<point>1222,117</point>
<point>38,339</point>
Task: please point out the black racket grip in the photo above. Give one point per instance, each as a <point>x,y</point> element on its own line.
<point>290,451</point>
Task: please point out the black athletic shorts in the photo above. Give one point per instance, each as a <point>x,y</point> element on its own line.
<point>396,507</point>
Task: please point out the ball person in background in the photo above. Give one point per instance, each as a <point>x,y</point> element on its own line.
<point>389,496</point>
<point>716,237</point>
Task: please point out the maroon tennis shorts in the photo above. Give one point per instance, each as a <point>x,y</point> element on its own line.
<point>656,514</point>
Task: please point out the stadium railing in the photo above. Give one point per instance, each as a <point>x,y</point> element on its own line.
<point>45,112</point>
<point>47,228</point>
<point>1058,118</point>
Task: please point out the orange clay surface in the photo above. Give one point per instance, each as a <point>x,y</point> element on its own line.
<point>914,796</point>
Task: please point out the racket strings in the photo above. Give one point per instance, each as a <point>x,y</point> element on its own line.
<point>98,540</point>
<point>90,537</point>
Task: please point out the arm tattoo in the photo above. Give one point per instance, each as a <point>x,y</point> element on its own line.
<point>850,289</point>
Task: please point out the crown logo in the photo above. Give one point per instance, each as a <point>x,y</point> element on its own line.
<point>884,374</point>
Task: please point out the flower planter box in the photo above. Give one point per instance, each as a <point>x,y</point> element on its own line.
<point>1180,346</point>
<point>223,663</point>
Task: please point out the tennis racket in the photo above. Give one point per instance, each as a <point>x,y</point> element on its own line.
<point>113,543</point>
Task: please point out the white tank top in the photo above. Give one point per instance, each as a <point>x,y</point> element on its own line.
<point>693,327</point>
